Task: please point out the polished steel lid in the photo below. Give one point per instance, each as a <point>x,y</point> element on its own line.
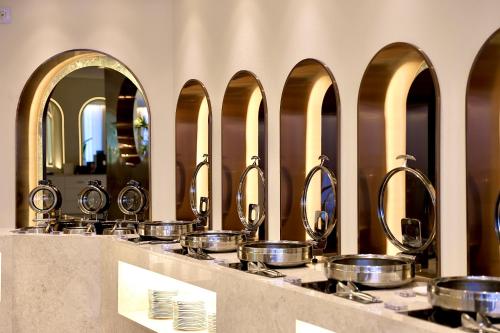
<point>93,199</point>
<point>45,198</point>
<point>256,211</point>
<point>416,246</point>
<point>133,199</point>
<point>202,210</point>
<point>325,220</point>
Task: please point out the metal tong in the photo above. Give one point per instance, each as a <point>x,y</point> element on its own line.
<point>481,325</point>
<point>352,292</point>
<point>259,268</point>
<point>198,253</point>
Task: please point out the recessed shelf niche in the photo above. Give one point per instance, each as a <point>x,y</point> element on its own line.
<point>244,134</point>
<point>309,127</point>
<point>193,140</point>
<point>398,113</point>
<point>483,159</point>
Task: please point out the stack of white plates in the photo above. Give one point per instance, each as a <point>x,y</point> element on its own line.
<point>161,303</point>
<point>190,315</point>
<point>211,323</point>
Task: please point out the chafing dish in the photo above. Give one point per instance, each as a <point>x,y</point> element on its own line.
<point>379,271</point>
<point>165,230</point>
<point>121,228</point>
<point>213,241</point>
<point>280,253</point>
<point>202,212</point>
<point>479,294</point>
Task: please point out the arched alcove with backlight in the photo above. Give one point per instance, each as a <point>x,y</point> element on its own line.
<point>193,133</point>
<point>244,134</point>
<point>483,159</point>
<point>398,114</point>
<point>71,78</point>
<point>309,127</point>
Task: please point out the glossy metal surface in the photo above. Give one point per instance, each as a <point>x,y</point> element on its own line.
<point>84,230</point>
<point>201,212</point>
<point>213,241</point>
<point>250,223</point>
<point>374,270</point>
<point>381,212</point>
<point>51,197</point>
<point>316,234</point>
<point>276,253</point>
<point>87,201</point>
<point>191,97</point>
<point>483,158</point>
<point>133,198</point>
<point>119,231</point>
<point>466,293</point>
<point>165,230</point>
<point>235,104</point>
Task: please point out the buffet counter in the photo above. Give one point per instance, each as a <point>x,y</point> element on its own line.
<point>60,283</point>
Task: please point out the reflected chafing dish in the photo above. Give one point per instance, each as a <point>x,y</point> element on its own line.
<point>480,294</point>
<point>120,228</point>
<point>165,230</point>
<point>213,241</point>
<point>373,270</point>
<point>276,253</point>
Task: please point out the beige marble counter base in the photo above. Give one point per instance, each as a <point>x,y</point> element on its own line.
<point>69,284</point>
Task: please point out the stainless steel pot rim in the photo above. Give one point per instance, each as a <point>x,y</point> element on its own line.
<point>401,265</point>
<point>213,233</point>
<point>167,223</point>
<point>275,246</point>
<point>436,287</point>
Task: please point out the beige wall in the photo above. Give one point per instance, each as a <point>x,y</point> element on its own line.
<point>166,44</point>
<point>138,33</point>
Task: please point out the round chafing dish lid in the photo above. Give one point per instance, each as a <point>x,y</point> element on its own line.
<point>256,211</point>
<point>133,198</point>
<point>201,207</point>
<point>324,218</point>
<point>45,198</point>
<point>93,199</point>
<point>413,225</point>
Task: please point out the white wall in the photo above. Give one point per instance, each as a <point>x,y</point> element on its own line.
<point>166,43</point>
<point>138,33</point>
<point>214,39</point>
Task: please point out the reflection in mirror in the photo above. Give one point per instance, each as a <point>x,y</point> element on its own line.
<point>243,136</point>
<point>193,150</point>
<point>397,115</point>
<point>483,159</point>
<point>309,127</point>
<point>96,126</point>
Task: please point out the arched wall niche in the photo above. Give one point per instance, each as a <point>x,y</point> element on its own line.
<point>483,159</point>
<point>193,139</point>
<point>30,113</point>
<point>398,113</point>
<point>244,134</point>
<point>309,127</point>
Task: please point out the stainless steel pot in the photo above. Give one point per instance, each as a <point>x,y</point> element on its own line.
<point>379,271</point>
<point>276,253</point>
<point>165,230</point>
<point>119,231</point>
<point>480,294</point>
<point>213,241</point>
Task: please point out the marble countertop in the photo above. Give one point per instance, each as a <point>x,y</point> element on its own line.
<point>249,302</point>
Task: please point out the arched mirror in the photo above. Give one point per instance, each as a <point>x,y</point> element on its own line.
<point>309,128</point>
<point>193,146</point>
<point>82,116</point>
<point>483,159</point>
<point>398,115</point>
<point>244,114</point>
